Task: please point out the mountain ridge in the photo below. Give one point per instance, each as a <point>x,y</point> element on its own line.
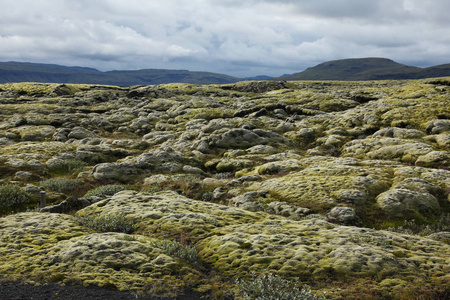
<point>352,69</point>
<point>371,68</point>
<point>51,73</point>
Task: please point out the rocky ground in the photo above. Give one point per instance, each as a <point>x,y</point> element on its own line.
<point>343,186</point>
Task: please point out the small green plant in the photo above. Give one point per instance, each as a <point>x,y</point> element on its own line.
<point>105,190</point>
<point>67,166</point>
<point>12,197</point>
<point>176,249</point>
<point>61,185</point>
<point>268,286</point>
<point>113,222</point>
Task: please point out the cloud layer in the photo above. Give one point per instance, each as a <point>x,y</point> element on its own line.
<point>241,38</point>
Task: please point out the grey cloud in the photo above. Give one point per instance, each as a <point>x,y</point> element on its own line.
<point>240,38</point>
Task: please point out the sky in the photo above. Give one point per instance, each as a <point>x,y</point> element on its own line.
<point>236,37</point>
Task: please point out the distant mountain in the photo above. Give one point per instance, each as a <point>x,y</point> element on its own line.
<point>31,72</point>
<point>366,69</point>
<point>259,77</point>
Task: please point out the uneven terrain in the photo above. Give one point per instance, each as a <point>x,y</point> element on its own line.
<point>342,186</point>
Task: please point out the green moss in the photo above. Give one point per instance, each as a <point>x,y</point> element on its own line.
<point>45,149</point>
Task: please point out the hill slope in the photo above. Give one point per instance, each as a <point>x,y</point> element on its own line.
<point>30,72</point>
<point>366,69</point>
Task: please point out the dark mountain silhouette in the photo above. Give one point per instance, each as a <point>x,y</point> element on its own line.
<point>345,69</point>
<point>31,72</point>
<point>366,69</point>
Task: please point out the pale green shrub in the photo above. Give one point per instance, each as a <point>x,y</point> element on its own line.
<point>105,190</point>
<point>176,249</point>
<point>113,222</point>
<point>61,185</point>
<point>272,287</point>
<point>12,196</point>
<point>67,166</point>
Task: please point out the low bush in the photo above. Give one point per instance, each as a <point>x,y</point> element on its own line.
<point>113,222</point>
<point>176,249</point>
<point>272,287</point>
<point>67,166</point>
<point>12,197</point>
<point>61,185</point>
<point>105,190</point>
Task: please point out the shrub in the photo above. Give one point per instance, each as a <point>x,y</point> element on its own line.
<point>11,197</point>
<point>105,190</point>
<point>61,185</point>
<point>272,287</point>
<point>67,166</point>
<point>176,249</point>
<point>113,222</point>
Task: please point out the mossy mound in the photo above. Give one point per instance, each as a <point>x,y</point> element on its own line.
<point>317,186</point>
<point>314,249</point>
<point>168,214</point>
<point>53,247</point>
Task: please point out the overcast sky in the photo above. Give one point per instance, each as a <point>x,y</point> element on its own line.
<point>235,37</point>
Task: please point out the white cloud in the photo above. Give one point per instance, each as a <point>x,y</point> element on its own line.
<point>236,37</point>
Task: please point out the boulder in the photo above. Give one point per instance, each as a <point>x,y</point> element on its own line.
<point>261,149</point>
<point>35,133</point>
<point>419,185</point>
<point>356,197</point>
<point>438,126</point>
<point>434,159</point>
<point>344,216</point>
<point>239,138</point>
<point>279,167</point>
<point>401,133</point>
<point>402,202</point>
<point>192,170</point>
<point>24,176</point>
<point>122,172</point>
<point>79,133</point>
<point>164,159</point>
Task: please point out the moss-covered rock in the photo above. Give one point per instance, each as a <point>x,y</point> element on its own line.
<point>315,186</point>
<point>275,168</point>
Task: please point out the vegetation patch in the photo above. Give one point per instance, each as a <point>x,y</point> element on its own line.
<point>268,286</point>
<point>12,197</point>
<point>61,185</point>
<point>104,190</point>
<point>176,249</point>
<point>113,222</point>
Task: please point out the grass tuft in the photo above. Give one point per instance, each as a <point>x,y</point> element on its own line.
<point>105,190</point>
<point>268,286</point>
<point>113,222</point>
<point>176,249</point>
